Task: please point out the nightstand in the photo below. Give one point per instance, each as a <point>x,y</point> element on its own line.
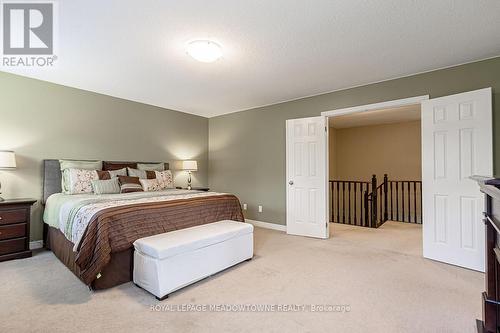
<point>15,228</point>
<point>206,189</point>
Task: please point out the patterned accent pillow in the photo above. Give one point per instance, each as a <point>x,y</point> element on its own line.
<point>108,186</point>
<point>150,185</point>
<point>129,184</point>
<point>79,180</point>
<point>104,175</point>
<point>151,166</point>
<point>165,179</point>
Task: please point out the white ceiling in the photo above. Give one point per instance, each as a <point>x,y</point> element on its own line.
<point>273,50</point>
<point>377,117</point>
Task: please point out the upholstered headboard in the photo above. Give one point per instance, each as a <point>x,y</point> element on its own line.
<point>52,176</point>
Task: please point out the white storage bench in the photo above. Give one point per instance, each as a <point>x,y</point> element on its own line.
<point>166,262</point>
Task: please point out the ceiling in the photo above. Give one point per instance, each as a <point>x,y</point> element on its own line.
<point>377,117</point>
<point>274,51</point>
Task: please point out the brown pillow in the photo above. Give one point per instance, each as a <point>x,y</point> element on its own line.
<point>129,184</point>
<point>105,175</point>
<point>108,166</point>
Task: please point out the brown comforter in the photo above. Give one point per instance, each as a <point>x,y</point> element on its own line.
<point>115,229</point>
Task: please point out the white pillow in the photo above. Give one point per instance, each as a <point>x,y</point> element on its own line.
<point>165,179</point>
<point>79,180</point>
<point>151,166</point>
<point>150,185</point>
<point>137,173</point>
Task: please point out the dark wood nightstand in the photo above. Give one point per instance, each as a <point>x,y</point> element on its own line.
<point>15,228</point>
<point>206,189</point>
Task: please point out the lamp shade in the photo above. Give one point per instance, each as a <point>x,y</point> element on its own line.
<point>7,159</point>
<point>190,165</point>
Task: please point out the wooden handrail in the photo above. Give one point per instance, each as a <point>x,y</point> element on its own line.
<point>369,204</point>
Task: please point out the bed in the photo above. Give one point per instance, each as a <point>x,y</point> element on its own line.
<point>93,234</point>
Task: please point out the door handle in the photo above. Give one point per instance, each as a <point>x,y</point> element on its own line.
<point>290,182</point>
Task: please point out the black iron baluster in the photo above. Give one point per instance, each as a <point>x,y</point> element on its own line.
<point>355,205</point>
<point>421,208</point>
<point>343,202</point>
<point>349,194</point>
<point>403,201</point>
<point>408,202</point>
<point>392,204</point>
<point>365,222</point>
<point>397,200</point>
<point>338,201</point>
<point>415,202</point>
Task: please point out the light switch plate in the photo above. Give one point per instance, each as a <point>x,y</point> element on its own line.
<point>260,209</point>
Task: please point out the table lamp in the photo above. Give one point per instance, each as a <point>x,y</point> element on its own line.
<point>189,166</point>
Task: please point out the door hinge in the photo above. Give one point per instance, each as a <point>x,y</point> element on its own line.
<point>326,129</point>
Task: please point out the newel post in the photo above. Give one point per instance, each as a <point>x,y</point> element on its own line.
<point>386,190</point>
<point>374,202</point>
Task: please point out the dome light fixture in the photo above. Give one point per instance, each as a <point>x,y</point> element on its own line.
<point>204,50</point>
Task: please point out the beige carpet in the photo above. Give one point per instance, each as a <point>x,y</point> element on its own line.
<point>378,273</point>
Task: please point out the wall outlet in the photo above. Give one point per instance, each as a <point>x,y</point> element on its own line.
<point>245,206</point>
<point>260,209</point>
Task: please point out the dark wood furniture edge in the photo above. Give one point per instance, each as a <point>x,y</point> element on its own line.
<point>18,203</point>
<point>490,297</point>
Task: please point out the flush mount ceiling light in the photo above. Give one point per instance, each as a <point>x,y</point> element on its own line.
<point>204,50</point>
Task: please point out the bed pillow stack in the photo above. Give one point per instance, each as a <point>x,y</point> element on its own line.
<point>153,177</point>
<point>81,177</point>
<point>77,176</point>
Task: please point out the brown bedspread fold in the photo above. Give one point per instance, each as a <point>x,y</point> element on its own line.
<point>115,229</point>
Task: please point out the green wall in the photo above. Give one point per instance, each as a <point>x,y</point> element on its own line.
<point>247,149</point>
<point>40,120</point>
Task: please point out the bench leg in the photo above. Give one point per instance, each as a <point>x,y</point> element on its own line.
<point>163,298</point>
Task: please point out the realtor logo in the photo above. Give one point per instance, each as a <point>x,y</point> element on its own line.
<point>28,28</point>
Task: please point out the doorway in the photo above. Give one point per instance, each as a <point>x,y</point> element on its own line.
<point>375,169</point>
<point>456,144</point>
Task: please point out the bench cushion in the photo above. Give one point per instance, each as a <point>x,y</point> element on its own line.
<point>172,243</point>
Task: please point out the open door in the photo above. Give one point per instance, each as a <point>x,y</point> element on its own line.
<point>307,177</point>
<point>456,144</point>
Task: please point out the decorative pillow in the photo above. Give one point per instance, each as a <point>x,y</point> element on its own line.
<point>104,175</point>
<point>142,174</point>
<point>165,179</point>
<point>107,186</point>
<point>151,166</point>
<point>79,180</point>
<point>76,164</point>
<point>108,166</point>
<point>150,185</point>
<point>129,184</point>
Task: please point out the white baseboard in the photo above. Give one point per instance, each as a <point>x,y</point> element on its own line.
<point>267,225</point>
<point>38,244</point>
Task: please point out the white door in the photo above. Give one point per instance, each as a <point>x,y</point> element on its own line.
<point>456,143</point>
<point>307,177</point>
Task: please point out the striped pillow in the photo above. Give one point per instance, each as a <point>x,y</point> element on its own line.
<point>108,186</point>
<point>129,184</point>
